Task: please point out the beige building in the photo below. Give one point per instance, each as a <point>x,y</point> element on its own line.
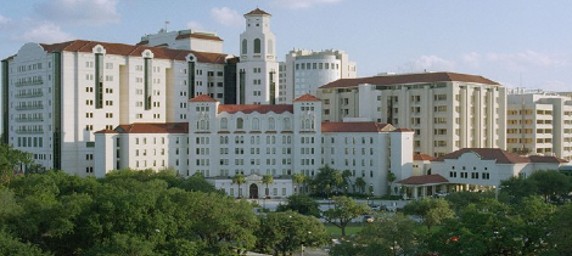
<point>448,111</point>
<point>539,123</point>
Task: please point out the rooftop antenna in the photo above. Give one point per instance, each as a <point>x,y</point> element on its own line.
<point>167,25</point>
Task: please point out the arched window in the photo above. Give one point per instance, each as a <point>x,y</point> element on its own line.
<point>257,45</point>
<point>255,124</point>
<point>223,123</point>
<point>239,123</point>
<point>307,124</point>
<point>271,124</point>
<point>286,123</point>
<point>244,46</point>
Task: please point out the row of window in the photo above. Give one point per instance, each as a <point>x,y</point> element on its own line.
<point>319,65</point>
<point>474,175</point>
<point>35,142</point>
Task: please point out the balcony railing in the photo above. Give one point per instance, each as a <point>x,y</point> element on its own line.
<point>28,83</point>
<point>31,131</point>
<point>28,120</point>
<point>29,95</point>
<point>31,107</point>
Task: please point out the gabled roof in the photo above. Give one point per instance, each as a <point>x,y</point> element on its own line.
<point>423,157</point>
<point>257,11</point>
<point>250,108</point>
<point>546,159</point>
<point>424,179</point>
<point>409,78</point>
<point>356,127</point>
<point>153,128</point>
<point>306,97</point>
<point>134,50</point>
<point>497,154</point>
<point>203,98</point>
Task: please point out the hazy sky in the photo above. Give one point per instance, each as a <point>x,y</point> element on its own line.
<point>515,42</point>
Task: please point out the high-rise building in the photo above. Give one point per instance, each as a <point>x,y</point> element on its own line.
<point>57,95</point>
<point>448,111</point>
<point>257,75</point>
<point>539,122</point>
<point>304,71</point>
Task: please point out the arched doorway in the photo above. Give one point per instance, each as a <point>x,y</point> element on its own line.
<point>253,191</point>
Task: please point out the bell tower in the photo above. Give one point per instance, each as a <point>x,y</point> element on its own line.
<point>257,72</point>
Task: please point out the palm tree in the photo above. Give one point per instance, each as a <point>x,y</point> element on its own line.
<point>360,183</point>
<point>267,179</point>
<point>346,174</point>
<point>390,179</point>
<point>299,178</point>
<point>239,179</point>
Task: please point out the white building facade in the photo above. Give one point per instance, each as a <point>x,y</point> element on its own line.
<point>57,95</point>
<point>539,123</point>
<point>257,75</point>
<point>475,169</point>
<point>257,140</point>
<point>447,111</point>
<point>304,71</point>
<point>184,40</point>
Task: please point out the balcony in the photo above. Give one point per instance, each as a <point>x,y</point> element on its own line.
<point>29,95</point>
<point>30,131</point>
<point>29,83</point>
<point>32,107</point>
<point>29,120</point>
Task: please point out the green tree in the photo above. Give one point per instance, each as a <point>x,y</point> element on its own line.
<point>516,188</point>
<point>388,235</point>
<point>561,231</point>
<point>239,179</point>
<point>10,245</point>
<point>267,180</point>
<point>299,179</point>
<point>433,211</point>
<point>462,199</point>
<point>327,181</point>
<point>11,161</point>
<point>360,183</point>
<point>344,211</point>
<point>346,176</point>
<point>551,183</point>
<point>488,227</point>
<point>282,233</point>
<point>390,179</point>
<point>302,204</point>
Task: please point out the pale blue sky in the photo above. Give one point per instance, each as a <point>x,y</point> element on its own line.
<point>515,42</point>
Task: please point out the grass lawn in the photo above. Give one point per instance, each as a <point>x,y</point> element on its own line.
<point>351,229</point>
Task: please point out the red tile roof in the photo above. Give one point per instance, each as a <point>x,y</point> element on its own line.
<point>203,98</point>
<point>424,179</point>
<point>106,131</point>
<point>262,109</point>
<point>200,36</point>
<point>402,130</point>
<point>356,127</point>
<point>546,159</point>
<point>423,157</point>
<point>409,78</point>
<point>153,128</point>
<point>501,156</point>
<point>306,97</point>
<point>134,50</point>
<point>257,11</point>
